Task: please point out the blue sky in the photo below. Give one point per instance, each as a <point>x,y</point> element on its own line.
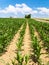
<point>38,8</point>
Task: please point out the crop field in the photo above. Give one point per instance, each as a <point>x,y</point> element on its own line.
<point>8,28</point>
<point>24,41</point>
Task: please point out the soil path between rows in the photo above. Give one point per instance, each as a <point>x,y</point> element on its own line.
<point>27,44</point>
<point>10,54</point>
<point>44,57</point>
<point>26,41</point>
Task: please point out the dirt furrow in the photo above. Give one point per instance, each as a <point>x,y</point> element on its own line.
<point>10,54</point>
<point>27,43</point>
<point>44,57</point>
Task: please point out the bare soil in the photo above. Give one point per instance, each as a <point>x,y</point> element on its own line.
<point>27,44</point>
<point>26,41</point>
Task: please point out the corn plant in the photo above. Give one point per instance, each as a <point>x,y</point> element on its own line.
<point>36,48</point>
<point>35,44</point>
<point>22,32</point>
<point>19,58</point>
<point>26,59</point>
<point>8,28</point>
<point>22,59</point>
<point>43,29</point>
<point>19,44</point>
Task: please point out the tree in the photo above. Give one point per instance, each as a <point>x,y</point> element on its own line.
<point>28,16</point>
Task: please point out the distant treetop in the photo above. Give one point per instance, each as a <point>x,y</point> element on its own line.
<point>28,16</point>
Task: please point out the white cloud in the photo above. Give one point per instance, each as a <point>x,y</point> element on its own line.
<point>18,8</point>
<point>9,9</point>
<point>43,10</point>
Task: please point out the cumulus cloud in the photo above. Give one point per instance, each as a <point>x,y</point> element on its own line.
<point>18,8</point>
<point>9,9</point>
<point>43,10</point>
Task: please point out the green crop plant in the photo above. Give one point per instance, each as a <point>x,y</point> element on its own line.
<point>19,58</point>
<point>43,30</point>
<point>19,44</point>
<point>22,32</point>
<point>8,28</point>
<point>36,48</point>
<point>26,59</point>
<point>35,43</point>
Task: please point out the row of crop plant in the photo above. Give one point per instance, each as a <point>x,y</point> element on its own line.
<point>43,30</point>
<point>8,28</point>
<point>19,59</point>
<point>35,43</point>
<point>36,48</point>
